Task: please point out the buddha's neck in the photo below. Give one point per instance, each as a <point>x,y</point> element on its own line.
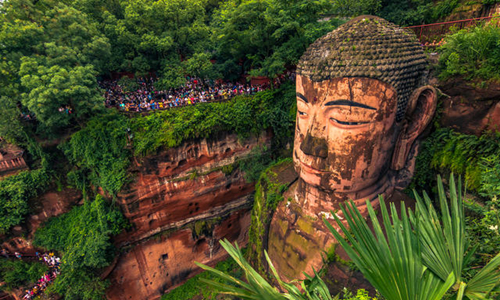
<point>313,200</point>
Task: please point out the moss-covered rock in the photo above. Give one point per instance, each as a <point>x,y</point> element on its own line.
<point>268,193</point>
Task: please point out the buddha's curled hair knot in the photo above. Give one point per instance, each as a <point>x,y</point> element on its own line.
<point>368,46</point>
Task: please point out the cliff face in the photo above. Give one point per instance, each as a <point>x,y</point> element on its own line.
<point>156,265</point>
<point>470,109</point>
<point>180,203</point>
<point>49,204</point>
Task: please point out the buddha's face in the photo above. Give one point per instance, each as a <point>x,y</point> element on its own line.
<point>345,133</point>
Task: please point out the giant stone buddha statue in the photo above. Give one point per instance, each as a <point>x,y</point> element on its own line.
<point>362,103</point>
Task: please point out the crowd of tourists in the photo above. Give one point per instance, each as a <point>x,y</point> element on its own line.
<point>53,262</point>
<point>146,97</point>
<point>49,259</point>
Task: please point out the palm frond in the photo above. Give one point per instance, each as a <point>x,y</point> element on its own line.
<point>485,280</point>
<point>393,265</point>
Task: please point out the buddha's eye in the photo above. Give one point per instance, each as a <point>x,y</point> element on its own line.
<point>347,123</point>
<point>301,113</point>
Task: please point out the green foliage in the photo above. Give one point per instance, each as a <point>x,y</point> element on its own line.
<point>53,87</point>
<point>444,8</point>
<point>193,287</point>
<point>473,53</point>
<point>411,12</point>
<point>18,273</point>
<point>145,35</point>
<point>258,160</point>
<point>228,169</point>
<point>427,253</point>
<point>11,127</point>
<point>361,294</point>
<point>490,2</point>
<point>490,176</point>
<point>83,237</point>
<point>483,230</point>
<point>448,151</point>
<point>353,8</point>
<point>199,65</point>
<point>50,55</point>
<point>256,287</point>
<point>416,12</point>
<point>128,84</point>
<point>477,158</point>
<point>172,76</point>
<point>100,151</point>
<point>268,193</point>
<point>15,191</point>
<point>242,115</point>
<point>266,35</point>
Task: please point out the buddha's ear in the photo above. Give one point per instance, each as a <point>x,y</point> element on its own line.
<point>419,113</point>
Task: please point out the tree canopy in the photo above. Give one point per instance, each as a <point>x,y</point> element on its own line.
<point>51,56</point>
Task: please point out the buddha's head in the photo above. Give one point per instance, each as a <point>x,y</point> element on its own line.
<point>361,104</point>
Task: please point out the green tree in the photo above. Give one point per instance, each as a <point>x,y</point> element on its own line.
<point>200,65</point>
<point>265,36</point>
<point>100,152</point>
<point>83,237</point>
<point>15,191</point>
<point>151,33</point>
<point>16,273</point>
<point>51,53</point>
<point>353,8</point>
<point>52,88</point>
<point>11,127</point>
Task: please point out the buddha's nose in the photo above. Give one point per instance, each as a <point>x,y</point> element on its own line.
<point>314,146</point>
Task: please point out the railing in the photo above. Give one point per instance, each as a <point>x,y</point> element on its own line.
<point>432,34</point>
<point>11,164</point>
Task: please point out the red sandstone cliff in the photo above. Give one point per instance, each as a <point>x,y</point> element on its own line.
<point>181,204</point>
<point>470,109</point>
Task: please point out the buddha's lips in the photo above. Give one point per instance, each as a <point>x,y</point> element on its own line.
<point>312,170</point>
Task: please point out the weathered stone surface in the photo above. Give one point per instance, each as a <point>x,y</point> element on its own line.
<point>159,264</point>
<point>185,183</point>
<point>51,204</point>
<point>357,130</point>
<point>470,109</point>
<point>172,190</point>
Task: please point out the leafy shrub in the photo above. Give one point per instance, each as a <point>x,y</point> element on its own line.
<point>128,84</point>
<point>448,151</point>
<point>193,287</point>
<point>15,191</point>
<point>490,176</point>
<point>361,294</point>
<point>483,230</point>
<point>490,2</point>
<point>406,255</point>
<point>268,194</point>
<point>16,273</point>
<point>259,159</point>
<point>478,160</point>
<point>99,151</point>
<point>401,13</point>
<point>83,237</point>
<point>473,53</point>
<point>416,12</point>
<point>243,115</point>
